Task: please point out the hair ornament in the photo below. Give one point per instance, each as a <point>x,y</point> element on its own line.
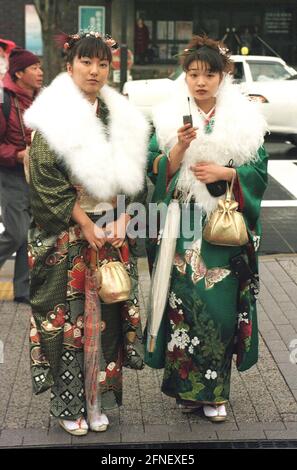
<point>223,50</point>
<point>67,41</point>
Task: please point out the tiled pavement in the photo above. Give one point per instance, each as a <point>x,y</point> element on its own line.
<point>263,404</point>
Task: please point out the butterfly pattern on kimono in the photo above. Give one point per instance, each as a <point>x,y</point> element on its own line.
<point>199,270</point>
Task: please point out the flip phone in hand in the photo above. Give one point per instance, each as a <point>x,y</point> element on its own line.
<point>188,120</point>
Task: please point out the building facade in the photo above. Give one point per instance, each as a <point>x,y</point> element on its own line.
<point>172,22</point>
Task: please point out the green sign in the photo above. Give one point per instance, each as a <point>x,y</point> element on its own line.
<point>92,19</point>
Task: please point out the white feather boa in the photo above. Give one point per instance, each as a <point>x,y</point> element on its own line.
<point>237,134</point>
<point>104,166</point>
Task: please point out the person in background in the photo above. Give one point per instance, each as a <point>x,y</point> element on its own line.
<point>141,41</point>
<point>21,84</point>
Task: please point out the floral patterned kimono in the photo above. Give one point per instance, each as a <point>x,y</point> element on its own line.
<point>59,254</point>
<point>209,315</point>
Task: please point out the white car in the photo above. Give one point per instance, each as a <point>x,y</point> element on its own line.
<point>269,80</point>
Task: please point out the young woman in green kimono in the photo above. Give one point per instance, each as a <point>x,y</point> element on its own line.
<point>85,153</point>
<point>210,313</point>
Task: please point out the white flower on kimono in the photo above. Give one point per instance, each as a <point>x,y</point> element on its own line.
<point>111,366</point>
<point>243,317</point>
<point>211,374</point>
<point>191,349</point>
<point>173,300</point>
<point>256,241</point>
<point>179,339</point>
<point>134,311</point>
<point>195,341</point>
<point>254,287</point>
<point>102,376</point>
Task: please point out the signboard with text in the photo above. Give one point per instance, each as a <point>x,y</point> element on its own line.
<point>278,22</point>
<point>91,19</point>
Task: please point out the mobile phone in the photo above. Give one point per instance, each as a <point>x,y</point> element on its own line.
<point>241,269</point>
<point>187,119</point>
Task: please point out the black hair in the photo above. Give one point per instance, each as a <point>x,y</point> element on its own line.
<point>89,46</point>
<point>208,56</point>
<point>208,51</point>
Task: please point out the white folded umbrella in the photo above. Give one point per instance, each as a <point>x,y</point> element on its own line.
<point>162,272</point>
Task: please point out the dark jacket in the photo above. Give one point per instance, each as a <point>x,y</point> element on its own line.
<point>142,39</point>
<point>11,137</point>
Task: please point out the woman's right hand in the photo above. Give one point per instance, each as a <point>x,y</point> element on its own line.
<point>185,136</point>
<point>94,235</point>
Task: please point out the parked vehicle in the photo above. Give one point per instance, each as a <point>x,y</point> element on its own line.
<point>267,80</point>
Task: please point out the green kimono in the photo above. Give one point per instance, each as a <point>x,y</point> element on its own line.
<point>209,315</point>
<point>59,256</point>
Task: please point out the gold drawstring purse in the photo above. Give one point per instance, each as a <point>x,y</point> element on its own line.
<point>113,280</point>
<point>226,226</point>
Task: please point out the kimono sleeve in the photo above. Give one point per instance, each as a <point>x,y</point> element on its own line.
<point>155,156</point>
<point>252,183</point>
<point>52,196</point>
<point>158,170</point>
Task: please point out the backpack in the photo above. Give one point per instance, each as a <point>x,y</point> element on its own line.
<point>6,105</point>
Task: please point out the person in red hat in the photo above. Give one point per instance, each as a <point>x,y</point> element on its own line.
<point>21,84</point>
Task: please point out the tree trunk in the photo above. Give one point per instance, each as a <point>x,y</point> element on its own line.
<point>52,63</point>
<point>51,14</point>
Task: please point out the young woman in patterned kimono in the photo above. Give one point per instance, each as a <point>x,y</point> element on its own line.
<point>90,146</point>
<point>210,313</point>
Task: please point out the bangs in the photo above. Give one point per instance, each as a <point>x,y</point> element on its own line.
<point>91,47</point>
<point>208,57</point>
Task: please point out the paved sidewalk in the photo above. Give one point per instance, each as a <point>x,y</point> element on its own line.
<point>263,404</point>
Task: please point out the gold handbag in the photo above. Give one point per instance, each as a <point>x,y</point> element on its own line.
<point>114,283</point>
<point>226,226</point>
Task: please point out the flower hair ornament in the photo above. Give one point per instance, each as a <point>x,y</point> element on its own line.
<point>67,41</point>
<point>222,50</point>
